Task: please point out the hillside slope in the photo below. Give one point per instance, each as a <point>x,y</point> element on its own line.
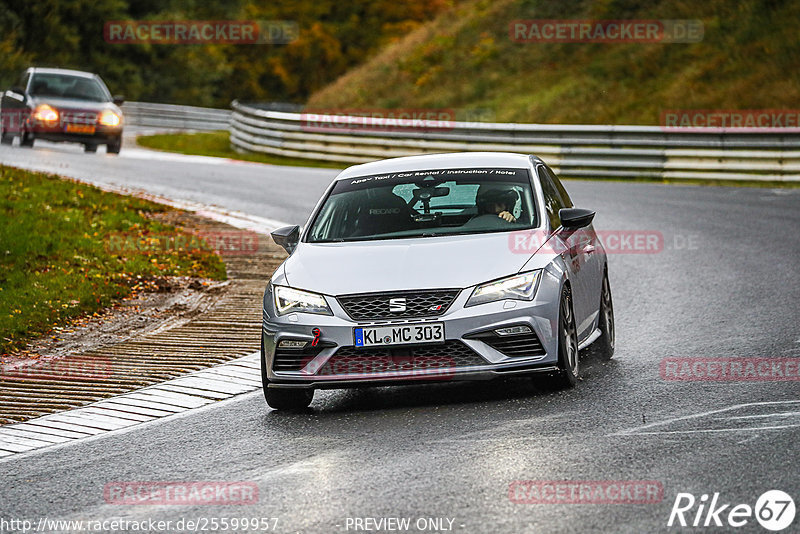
<point>466,60</point>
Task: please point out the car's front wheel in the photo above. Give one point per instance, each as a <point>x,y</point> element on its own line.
<point>114,146</point>
<point>25,139</point>
<point>90,147</point>
<point>288,399</point>
<point>567,375</point>
<point>5,137</point>
<point>283,399</point>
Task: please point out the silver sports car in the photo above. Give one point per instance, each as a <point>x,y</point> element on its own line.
<point>431,268</point>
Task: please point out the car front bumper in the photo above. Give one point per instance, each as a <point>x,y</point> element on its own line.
<point>471,350</point>
<point>100,136</point>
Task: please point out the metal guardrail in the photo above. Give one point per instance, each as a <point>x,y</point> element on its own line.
<point>170,117</point>
<point>572,150</point>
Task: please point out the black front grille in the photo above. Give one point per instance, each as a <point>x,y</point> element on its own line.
<point>370,306</point>
<point>519,345</point>
<point>295,359</point>
<point>75,116</point>
<point>350,360</point>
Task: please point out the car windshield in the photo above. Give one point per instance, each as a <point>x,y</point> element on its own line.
<point>69,86</point>
<point>426,204</point>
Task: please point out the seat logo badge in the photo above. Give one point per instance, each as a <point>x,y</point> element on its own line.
<point>435,308</point>
<point>397,305</point>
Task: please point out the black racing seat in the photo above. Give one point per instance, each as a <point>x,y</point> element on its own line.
<point>382,212</point>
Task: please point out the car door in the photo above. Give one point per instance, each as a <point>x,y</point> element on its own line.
<point>574,251</point>
<point>13,105</point>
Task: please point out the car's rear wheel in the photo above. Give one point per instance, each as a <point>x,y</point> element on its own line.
<point>90,147</point>
<point>114,146</point>
<point>569,369</point>
<point>603,347</point>
<point>283,399</point>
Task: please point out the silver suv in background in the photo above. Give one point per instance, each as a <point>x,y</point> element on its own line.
<point>64,106</point>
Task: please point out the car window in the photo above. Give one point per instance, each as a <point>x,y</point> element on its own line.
<point>566,201</point>
<point>426,203</point>
<point>23,80</point>
<point>462,195</point>
<point>552,198</point>
<point>68,86</point>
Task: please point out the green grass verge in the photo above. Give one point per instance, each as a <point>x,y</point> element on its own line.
<point>57,261</point>
<point>218,144</point>
<point>465,60</point>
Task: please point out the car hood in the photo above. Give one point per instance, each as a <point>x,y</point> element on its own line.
<point>71,103</point>
<point>401,264</point>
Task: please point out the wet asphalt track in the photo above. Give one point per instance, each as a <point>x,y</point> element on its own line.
<point>725,285</point>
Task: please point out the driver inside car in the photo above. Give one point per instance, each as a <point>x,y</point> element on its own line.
<point>496,199</point>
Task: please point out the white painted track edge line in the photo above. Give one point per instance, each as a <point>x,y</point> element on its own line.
<point>238,377</point>
<point>102,435</point>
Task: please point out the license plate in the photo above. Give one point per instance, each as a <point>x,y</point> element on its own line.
<point>404,334</point>
<point>80,128</point>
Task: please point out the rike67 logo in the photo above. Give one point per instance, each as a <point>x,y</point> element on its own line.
<point>774,510</point>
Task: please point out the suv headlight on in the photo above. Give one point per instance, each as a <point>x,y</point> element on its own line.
<point>109,118</point>
<point>290,300</point>
<point>44,113</point>
<point>517,287</point>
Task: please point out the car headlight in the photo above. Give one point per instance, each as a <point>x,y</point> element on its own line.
<point>517,287</point>
<point>109,118</point>
<point>45,113</point>
<point>289,300</point>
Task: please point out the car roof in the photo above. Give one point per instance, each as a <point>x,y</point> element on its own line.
<point>455,160</point>
<point>70,72</point>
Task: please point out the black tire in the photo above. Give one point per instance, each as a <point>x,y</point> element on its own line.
<point>283,399</point>
<point>568,360</point>
<point>603,347</point>
<point>25,139</point>
<point>114,146</point>
<point>5,138</point>
<point>288,399</point>
<point>89,147</point>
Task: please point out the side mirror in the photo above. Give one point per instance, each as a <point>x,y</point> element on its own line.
<point>575,218</point>
<point>287,237</point>
<point>118,99</point>
<point>19,91</point>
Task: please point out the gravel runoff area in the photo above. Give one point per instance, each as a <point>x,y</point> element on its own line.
<point>196,327</point>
